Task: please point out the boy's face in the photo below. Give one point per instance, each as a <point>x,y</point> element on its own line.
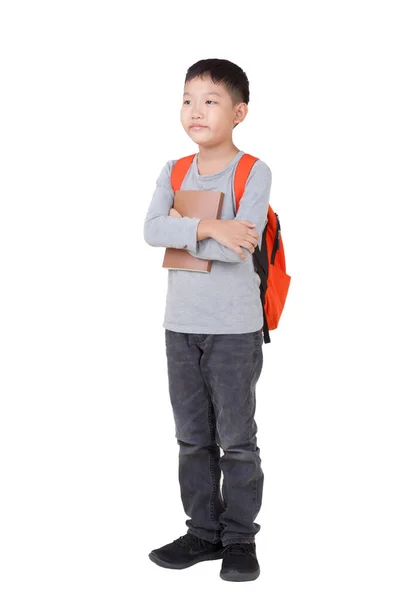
<point>209,104</point>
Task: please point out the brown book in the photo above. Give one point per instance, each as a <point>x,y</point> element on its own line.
<point>204,204</point>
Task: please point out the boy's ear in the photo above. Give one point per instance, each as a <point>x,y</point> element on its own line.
<point>241,111</point>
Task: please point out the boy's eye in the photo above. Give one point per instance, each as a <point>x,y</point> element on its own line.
<point>184,102</point>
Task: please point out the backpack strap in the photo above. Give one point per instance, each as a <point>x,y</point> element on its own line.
<point>243,168</point>
<point>242,172</point>
<point>179,170</point>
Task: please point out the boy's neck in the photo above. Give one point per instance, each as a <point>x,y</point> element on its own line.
<point>212,160</point>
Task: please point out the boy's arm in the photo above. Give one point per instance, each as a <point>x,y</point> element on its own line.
<point>170,232</point>
<point>253,207</point>
<point>159,228</point>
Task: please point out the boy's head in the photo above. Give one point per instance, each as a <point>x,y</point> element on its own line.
<point>216,95</point>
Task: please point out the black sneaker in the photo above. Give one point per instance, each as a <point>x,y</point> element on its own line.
<point>239,562</point>
<point>186,551</point>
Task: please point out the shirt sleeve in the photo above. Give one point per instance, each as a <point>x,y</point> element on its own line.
<point>253,207</point>
<point>159,228</point>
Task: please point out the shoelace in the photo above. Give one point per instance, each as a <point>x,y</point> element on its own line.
<point>188,540</point>
<point>236,549</point>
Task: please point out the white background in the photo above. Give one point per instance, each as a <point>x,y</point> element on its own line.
<point>90,101</point>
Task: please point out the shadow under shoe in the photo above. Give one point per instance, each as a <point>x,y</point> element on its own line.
<point>239,562</point>
<point>186,551</point>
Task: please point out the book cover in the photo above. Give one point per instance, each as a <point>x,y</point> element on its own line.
<point>203,204</point>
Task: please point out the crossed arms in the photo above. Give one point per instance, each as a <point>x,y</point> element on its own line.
<point>201,241</point>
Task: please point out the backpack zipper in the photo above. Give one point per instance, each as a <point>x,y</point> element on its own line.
<point>276,245</point>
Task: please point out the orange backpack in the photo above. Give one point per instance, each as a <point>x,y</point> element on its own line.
<point>269,262</point>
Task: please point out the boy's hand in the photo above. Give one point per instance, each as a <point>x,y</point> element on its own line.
<point>235,235</point>
<point>174,213</point>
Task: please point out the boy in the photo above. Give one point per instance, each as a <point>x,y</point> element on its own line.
<point>213,331</point>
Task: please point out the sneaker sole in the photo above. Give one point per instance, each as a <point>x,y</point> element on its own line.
<point>236,576</point>
<point>162,563</point>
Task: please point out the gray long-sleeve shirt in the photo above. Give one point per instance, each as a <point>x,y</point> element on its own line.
<point>226,300</point>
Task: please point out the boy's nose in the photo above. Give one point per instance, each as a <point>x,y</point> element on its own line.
<point>197,113</point>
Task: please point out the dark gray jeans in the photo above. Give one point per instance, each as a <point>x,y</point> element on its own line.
<point>212,386</point>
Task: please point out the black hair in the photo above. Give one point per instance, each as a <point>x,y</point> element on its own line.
<point>222,71</point>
